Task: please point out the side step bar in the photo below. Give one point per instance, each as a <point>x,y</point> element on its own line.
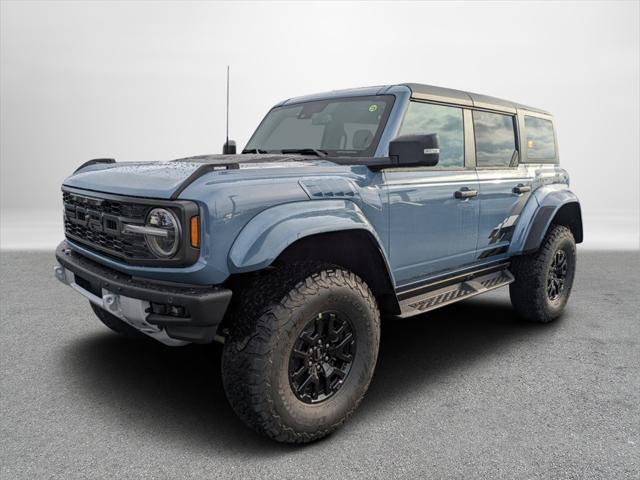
<point>454,293</point>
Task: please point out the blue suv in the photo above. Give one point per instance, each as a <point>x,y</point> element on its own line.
<point>342,207</point>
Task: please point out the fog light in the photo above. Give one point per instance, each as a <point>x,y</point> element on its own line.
<point>176,311</point>
<point>171,310</point>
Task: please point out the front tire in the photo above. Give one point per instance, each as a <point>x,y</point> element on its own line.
<point>301,351</point>
<point>544,279</point>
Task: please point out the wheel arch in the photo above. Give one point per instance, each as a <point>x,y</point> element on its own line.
<point>559,207</point>
<point>570,215</point>
<point>332,231</point>
<point>355,250</point>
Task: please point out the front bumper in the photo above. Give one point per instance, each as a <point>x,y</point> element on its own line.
<point>131,298</point>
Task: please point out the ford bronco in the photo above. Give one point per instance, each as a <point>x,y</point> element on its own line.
<point>342,207</point>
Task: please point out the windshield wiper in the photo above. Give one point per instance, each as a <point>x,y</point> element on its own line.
<point>306,151</point>
<point>254,150</point>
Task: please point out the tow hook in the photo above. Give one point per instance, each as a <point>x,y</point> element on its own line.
<point>111,303</point>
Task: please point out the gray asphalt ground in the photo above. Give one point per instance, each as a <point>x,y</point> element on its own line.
<point>468,391</point>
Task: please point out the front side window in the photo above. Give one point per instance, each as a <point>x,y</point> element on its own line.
<point>495,139</point>
<point>341,126</point>
<point>427,118</point>
<point>541,144</point>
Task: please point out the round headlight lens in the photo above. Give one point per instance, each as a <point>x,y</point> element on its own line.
<point>163,245</point>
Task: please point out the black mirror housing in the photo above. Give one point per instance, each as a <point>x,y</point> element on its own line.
<point>415,150</point>
<point>229,147</point>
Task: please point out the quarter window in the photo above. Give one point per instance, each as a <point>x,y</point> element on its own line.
<point>495,139</point>
<point>426,118</point>
<point>541,144</point>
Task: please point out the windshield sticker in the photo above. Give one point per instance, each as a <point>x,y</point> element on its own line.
<point>373,108</point>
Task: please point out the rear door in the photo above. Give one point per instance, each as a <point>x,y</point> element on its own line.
<point>505,186</point>
<point>433,229</point>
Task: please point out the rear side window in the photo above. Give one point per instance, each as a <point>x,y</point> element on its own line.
<point>541,143</point>
<point>425,118</point>
<point>495,139</point>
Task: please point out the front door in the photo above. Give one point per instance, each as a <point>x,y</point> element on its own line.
<point>432,228</point>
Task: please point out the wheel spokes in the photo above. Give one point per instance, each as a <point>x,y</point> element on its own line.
<point>298,373</point>
<point>296,353</point>
<point>307,381</point>
<point>321,357</point>
<point>557,275</point>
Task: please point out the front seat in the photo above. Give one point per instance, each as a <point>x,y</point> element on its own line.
<point>362,139</point>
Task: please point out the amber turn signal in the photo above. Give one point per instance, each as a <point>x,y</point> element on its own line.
<point>195,232</point>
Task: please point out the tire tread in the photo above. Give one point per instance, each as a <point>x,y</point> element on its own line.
<point>528,292</point>
<point>257,324</point>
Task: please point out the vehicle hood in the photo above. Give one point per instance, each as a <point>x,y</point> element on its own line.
<point>167,179</point>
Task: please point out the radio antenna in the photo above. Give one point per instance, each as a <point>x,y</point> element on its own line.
<point>227,142</point>
<point>229,147</point>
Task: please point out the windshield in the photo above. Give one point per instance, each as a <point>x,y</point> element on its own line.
<point>340,126</point>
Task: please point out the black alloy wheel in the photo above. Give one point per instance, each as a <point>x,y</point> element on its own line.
<point>557,275</point>
<point>321,357</point>
<point>544,278</point>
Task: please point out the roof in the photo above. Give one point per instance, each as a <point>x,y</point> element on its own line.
<point>424,92</point>
<point>449,95</point>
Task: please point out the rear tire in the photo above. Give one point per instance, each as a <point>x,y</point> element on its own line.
<point>301,351</point>
<point>544,279</point>
<point>115,324</point>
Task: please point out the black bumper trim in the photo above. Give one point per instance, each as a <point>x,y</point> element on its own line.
<point>206,305</point>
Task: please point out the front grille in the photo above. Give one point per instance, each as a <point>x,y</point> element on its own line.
<point>108,206</point>
<point>97,223</point>
<point>97,220</point>
<point>130,248</point>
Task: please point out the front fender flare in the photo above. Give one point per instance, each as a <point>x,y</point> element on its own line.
<point>270,232</point>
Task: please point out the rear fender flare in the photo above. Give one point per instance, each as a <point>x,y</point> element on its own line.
<point>538,215</point>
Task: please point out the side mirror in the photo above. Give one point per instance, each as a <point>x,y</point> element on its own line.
<point>229,147</point>
<point>415,150</point>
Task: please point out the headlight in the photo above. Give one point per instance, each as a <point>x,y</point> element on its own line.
<point>161,244</point>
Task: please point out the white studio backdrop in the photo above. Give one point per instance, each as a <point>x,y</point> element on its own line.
<point>146,81</point>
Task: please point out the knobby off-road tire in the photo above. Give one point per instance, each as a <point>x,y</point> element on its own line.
<point>290,309</point>
<point>115,324</point>
<point>544,279</point>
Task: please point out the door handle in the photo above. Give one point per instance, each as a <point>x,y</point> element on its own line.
<point>519,189</point>
<point>465,193</point>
